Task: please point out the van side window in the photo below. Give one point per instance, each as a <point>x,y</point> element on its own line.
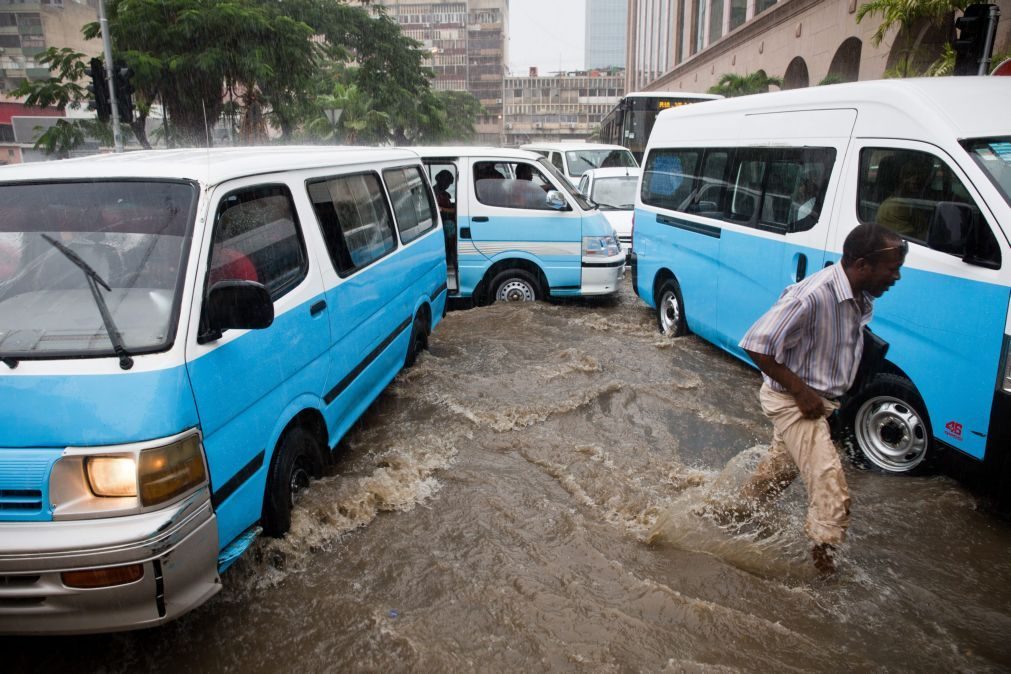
<point>412,202</point>
<point>780,189</point>
<point>257,238</point>
<point>355,219</point>
<point>556,159</point>
<point>511,185</point>
<point>668,178</point>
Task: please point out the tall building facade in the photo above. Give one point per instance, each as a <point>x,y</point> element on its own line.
<point>560,107</point>
<point>466,42</point>
<point>29,27</point>
<point>687,45</point>
<point>604,46</point>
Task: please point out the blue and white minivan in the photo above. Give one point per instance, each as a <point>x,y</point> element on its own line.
<point>517,230</point>
<point>184,336</point>
<point>741,197</point>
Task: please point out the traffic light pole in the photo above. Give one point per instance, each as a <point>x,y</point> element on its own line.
<point>117,136</point>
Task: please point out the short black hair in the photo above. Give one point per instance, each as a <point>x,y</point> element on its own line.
<point>868,241</point>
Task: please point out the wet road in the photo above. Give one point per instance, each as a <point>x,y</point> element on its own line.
<point>522,501</point>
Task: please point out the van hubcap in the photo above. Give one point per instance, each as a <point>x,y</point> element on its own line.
<point>515,290</point>
<point>891,434</point>
<point>670,312</point>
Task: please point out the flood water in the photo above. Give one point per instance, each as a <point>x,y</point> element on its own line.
<point>522,500</point>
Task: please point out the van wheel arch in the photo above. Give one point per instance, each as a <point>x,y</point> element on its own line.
<point>421,328</point>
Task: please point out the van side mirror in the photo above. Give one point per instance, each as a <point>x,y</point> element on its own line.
<point>556,201</point>
<point>244,305</point>
<point>949,227</point>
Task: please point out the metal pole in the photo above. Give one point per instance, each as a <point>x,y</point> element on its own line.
<point>993,16</point>
<point>117,137</point>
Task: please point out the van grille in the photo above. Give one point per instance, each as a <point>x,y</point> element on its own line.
<point>21,500</point>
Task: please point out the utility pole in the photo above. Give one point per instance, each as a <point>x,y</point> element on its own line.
<point>117,137</point>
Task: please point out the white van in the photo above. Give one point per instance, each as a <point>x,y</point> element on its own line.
<point>517,230</point>
<point>575,159</point>
<point>742,197</point>
<point>184,336</point>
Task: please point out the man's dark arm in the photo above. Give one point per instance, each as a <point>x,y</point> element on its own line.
<point>808,401</point>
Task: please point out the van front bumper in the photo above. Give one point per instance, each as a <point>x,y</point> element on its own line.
<point>177,547</point>
<point>601,277</point>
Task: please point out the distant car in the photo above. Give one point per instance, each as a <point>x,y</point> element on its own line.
<point>613,191</point>
<point>575,159</point>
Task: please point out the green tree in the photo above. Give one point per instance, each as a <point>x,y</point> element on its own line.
<point>913,19</point>
<point>731,84</point>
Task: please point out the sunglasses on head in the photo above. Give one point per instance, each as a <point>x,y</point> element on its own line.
<point>902,246</point>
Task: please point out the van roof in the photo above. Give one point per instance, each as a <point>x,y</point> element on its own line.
<point>574,145</point>
<point>207,166</point>
<point>901,108</point>
<point>672,94</point>
<point>474,151</point>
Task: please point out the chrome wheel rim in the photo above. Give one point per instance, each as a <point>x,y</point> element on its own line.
<point>515,290</point>
<point>891,434</point>
<point>298,480</point>
<point>670,312</point>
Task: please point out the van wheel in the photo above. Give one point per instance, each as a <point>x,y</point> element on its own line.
<point>515,285</point>
<point>670,310</point>
<point>889,428</point>
<point>295,463</point>
<point>418,343</point>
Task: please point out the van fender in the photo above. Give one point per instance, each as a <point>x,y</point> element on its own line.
<point>307,409</point>
<point>663,274</point>
<point>519,259</point>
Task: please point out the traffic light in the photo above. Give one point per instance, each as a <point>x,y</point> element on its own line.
<point>99,89</point>
<point>121,76</point>
<point>974,44</point>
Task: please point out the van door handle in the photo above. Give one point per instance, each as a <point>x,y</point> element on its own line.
<point>801,267</point>
<point>315,309</point>
<point>479,218</point>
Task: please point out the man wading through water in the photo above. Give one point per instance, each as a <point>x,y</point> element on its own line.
<point>808,346</point>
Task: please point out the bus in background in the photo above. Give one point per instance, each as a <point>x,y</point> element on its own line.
<point>631,120</point>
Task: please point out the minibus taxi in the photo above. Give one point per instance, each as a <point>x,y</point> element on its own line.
<point>184,336</point>
<point>516,230</point>
<point>574,159</point>
<point>741,197</point>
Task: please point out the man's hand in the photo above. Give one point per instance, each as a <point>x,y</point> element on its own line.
<point>808,402</point>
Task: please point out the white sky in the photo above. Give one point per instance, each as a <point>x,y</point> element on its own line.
<point>548,34</point>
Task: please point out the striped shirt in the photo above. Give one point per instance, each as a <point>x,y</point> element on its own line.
<point>814,329</point>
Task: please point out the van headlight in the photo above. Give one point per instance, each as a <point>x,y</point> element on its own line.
<point>126,479</point>
<point>601,246</point>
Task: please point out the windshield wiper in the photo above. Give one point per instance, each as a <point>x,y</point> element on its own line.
<point>94,280</point>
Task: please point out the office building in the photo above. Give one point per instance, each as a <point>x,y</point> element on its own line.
<point>605,33</point>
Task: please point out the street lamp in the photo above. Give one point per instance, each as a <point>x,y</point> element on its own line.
<point>334,115</point>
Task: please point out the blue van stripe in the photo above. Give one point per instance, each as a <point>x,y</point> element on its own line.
<point>235,481</point>
<point>697,227</point>
<point>346,381</point>
<point>438,291</point>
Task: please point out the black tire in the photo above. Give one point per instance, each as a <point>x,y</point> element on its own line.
<point>419,341</point>
<point>296,460</point>
<point>514,285</point>
<point>670,310</point>
<point>887,426</point>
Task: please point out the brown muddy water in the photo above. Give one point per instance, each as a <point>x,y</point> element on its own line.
<point>521,501</point>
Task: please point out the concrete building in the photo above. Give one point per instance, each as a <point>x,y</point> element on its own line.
<point>29,27</point>
<point>687,45</point>
<point>558,108</point>
<point>467,43</point>
<point>605,33</point>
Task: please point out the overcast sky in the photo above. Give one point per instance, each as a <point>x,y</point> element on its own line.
<point>546,33</point>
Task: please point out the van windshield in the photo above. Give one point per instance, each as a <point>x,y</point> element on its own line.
<point>993,155</point>
<point>581,161</point>
<point>89,263</point>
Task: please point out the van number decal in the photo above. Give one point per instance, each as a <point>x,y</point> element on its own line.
<point>953,429</point>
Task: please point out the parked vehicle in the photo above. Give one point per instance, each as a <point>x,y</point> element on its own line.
<point>518,231</point>
<point>575,159</point>
<point>184,336</point>
<point>741,197</point>
<point>613,190</point>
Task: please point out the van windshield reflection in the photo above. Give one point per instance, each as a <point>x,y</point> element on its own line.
<point>61,242</point>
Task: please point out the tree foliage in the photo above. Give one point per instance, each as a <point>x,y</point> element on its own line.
<point>731,84</point>
<point>912,19</point>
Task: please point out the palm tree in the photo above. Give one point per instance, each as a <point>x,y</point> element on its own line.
<point>358,121</point>
<point>907,16</point>
<point>731,85</point>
